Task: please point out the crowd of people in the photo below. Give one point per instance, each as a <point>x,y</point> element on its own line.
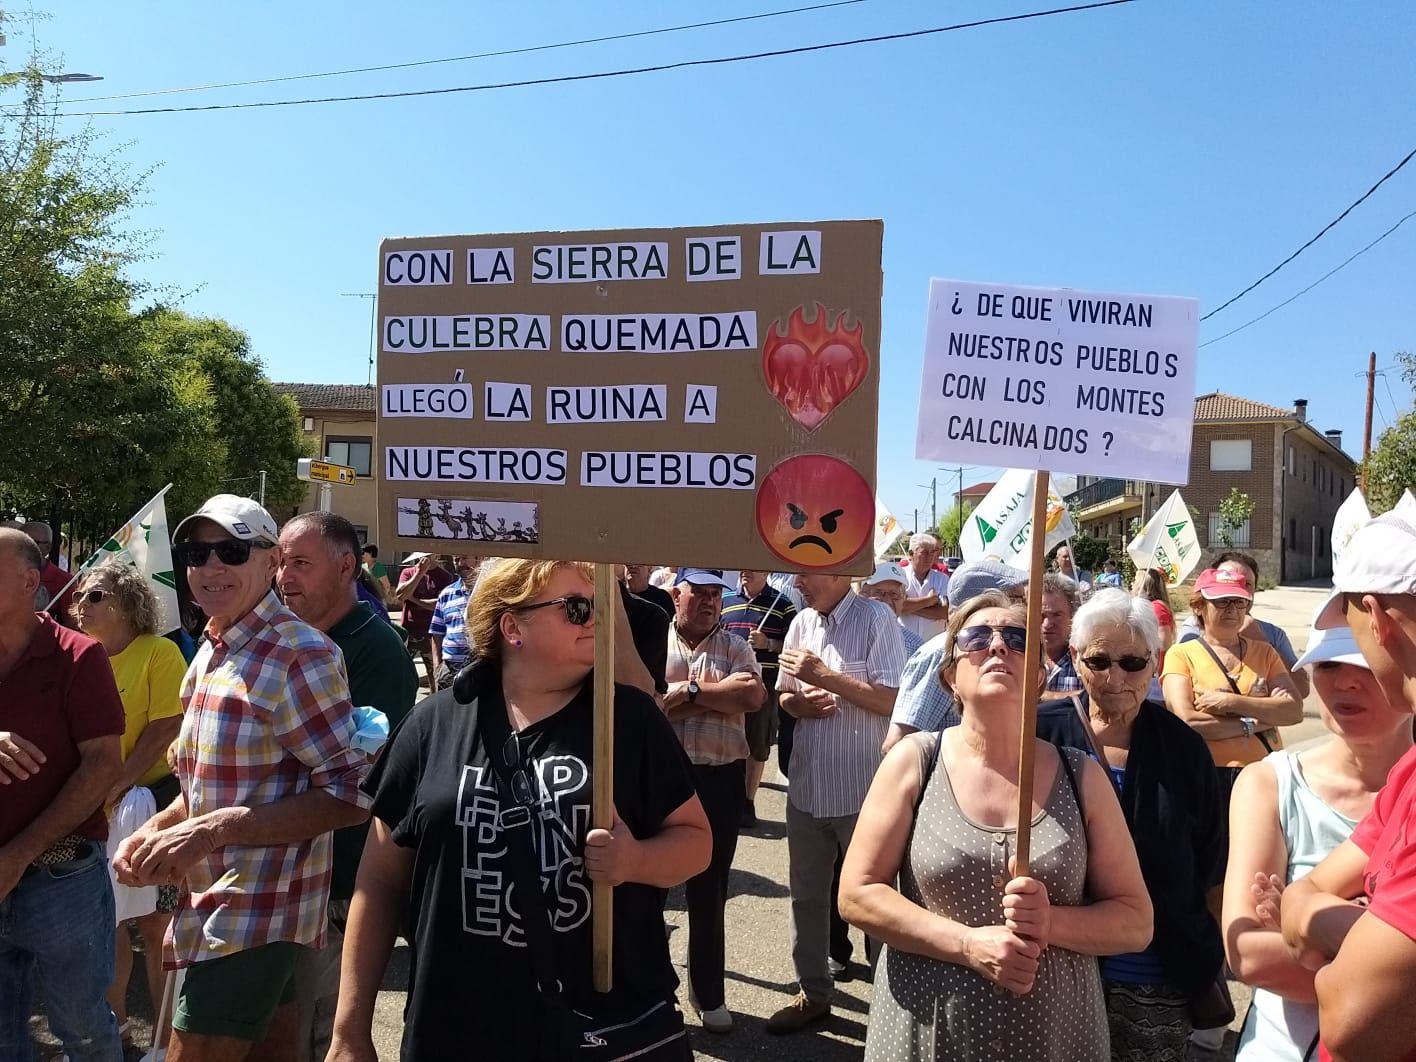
<point>262,811</point>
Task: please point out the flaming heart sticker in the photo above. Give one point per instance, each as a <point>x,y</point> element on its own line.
<point>813,366</point>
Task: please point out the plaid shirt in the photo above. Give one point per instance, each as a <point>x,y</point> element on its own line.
<point>450,624</point>
<point>710,738</point>
<point>267,717</point>
<point>1062,676</point>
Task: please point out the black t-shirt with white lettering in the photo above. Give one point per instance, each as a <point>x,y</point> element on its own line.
<point>471,987</point>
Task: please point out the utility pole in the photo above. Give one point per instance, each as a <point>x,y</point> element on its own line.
<point>1367,430</point>
<point>916,522</point>
<point>261,499</point>
<point>933,487</point>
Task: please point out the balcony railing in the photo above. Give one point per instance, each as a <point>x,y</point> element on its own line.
<point>1103,490</point>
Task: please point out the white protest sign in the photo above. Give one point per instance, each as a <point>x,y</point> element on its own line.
<point>1059,379</point>
<point>1001,525</point>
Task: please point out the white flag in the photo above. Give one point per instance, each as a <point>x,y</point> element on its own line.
<point>1001,525</point>
<point>1168,542</point>
<point>1406,507</point>
<point>1351,515</point>
<point>887,528</point>
<point>144,542</point>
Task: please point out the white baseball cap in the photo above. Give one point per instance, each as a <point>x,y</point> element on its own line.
<point>887,572</point>
<point>1335,643</point>
<point>242,518</point>
<point>1380,558</point>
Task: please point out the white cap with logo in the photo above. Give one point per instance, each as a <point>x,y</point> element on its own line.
<point>1380,558</point>
<point>242,518</point>
<point>887,572</point>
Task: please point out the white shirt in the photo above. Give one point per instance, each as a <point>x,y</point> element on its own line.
<point>934,580</point>
<point>834,758</point>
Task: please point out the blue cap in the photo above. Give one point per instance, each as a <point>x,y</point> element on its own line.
<point>972,578</point>
<point>702,577</point>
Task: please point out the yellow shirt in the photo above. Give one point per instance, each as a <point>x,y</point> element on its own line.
<point>1258,669</point>
<point>149,675</point>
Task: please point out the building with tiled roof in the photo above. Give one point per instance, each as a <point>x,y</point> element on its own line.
<point>1296,475</point>
<point>330,397</point>
<point>341,419</point>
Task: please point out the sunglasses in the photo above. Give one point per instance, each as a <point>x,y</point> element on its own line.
<point>522,791</point>
<point>1229,604</point>
<point>231,551</point>
<point>1129,664</point>
<point>578,610</point>
<point>974,639</point>
<point>92,597</point>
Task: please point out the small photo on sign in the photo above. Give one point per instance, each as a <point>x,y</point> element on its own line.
<point>469,519</point>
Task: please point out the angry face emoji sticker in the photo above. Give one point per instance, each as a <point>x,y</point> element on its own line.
<point>815,512</point>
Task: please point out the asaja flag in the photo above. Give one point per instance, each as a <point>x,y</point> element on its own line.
<point>1351,515</point>
<point>1001,525</point>
<point>887,528</point>
<point>1406,507</point>
<point>144,542</point>
<point>1168,541</point>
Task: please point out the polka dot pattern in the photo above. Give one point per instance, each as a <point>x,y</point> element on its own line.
<point>924,1009</point>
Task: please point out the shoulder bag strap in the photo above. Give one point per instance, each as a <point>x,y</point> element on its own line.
<point>516,819</point>
<point>1260,734</point>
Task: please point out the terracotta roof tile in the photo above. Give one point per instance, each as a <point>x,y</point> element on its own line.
<point>1219,406</point>
<point>315,397</point>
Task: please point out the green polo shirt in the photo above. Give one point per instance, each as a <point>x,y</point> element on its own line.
<point>382,675</point>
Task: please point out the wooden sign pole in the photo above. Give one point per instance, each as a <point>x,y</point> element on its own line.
<point>1028,740</point>
<point>602,771</point>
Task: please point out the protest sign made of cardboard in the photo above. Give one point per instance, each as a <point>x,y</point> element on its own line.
<point>706,394</point>
<point>1059,379</point>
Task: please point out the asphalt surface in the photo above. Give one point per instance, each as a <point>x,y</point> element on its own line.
<point>760,977</point>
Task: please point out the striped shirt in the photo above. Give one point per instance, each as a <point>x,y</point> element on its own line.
<point>835,757</point>
<point>267,717</point>
<point>771,612</point>
<point>449,623</point>
<point>923,702</point>
<point>710,738</point>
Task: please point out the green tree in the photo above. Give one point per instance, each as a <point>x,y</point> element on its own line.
<point>950,529</point>
<point>1391,466</point>
<point>1234,512</point>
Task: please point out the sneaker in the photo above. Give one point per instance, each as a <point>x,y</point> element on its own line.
<point>747,819</point>
<point>840,971</point>
<point>797,1015</point>
<point>717,1020</point>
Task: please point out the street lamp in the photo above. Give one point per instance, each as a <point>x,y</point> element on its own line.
<point>70,79</point>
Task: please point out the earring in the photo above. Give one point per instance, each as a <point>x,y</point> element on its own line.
<point>516,642</point>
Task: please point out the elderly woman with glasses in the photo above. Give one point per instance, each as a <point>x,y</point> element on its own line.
<point>981,963</point>
<point>1169,795</point>
<point>115,605</point>
<point>488,783</point>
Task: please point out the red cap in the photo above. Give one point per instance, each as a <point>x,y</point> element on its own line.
<point>1215,583</point>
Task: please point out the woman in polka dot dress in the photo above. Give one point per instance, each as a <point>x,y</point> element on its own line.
<point>979,964</point>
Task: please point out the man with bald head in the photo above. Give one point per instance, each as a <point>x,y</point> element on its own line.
<point>52,577</point>
<point>61,722</point>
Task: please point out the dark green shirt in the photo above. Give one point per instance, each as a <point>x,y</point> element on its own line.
<point>381,675</point>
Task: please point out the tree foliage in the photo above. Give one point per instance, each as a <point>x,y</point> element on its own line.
<point>1234,512</point>
<point>1391,466</point>
<point>951,529</point>
<point>103,400</point>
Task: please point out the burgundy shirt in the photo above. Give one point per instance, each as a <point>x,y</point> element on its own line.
<point>416,619</point>
<point>59,693</point>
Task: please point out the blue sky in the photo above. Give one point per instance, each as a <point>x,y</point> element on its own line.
<point>1176,148</point>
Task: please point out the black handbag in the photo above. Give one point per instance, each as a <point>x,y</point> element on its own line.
<point>655,1033</point>
<point>1214,1007</point>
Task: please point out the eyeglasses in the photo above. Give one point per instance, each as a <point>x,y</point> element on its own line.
<point>578,610</point>
<point>974,639</point>
<point>92,597</point>
<point>230,551</point>
<point>1230,604</point>
<point>522,791</point>
<point>1103,662</point>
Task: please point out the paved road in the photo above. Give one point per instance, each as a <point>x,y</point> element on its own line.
<point>759,948</point>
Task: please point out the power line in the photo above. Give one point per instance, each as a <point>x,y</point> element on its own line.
<point>477,55</point>
<point>1313,285</point>
<point>1325,229</point>
<point>604,74</point>
<point>1391,397</point>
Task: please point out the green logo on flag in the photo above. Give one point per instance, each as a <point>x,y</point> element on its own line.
<point>986,530</point>
<point>168,579</point>
<point>1173,530</point>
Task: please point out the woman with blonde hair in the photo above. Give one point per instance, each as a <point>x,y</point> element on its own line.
<point>481,850</point>
<point>114,604</point>
<point>981,963</point>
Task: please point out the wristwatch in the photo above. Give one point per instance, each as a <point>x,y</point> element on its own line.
<point>1250,724</point>
<point>692,690</point>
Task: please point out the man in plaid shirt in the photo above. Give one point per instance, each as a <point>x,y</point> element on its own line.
<point>267,772</point>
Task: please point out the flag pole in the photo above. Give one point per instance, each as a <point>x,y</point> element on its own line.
<point>1027,747</point>
<point>602,773</point>
<point>86,564</point>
